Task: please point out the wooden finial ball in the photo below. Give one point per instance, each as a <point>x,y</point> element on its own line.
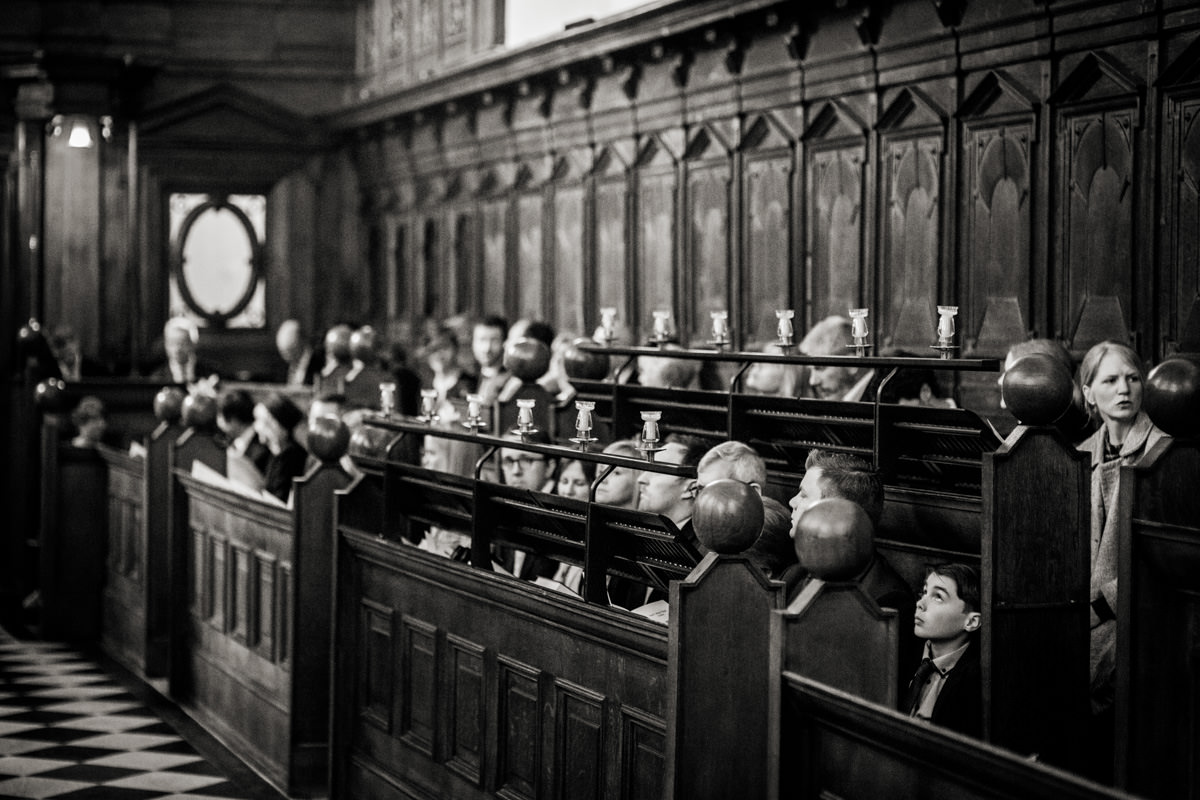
<point>527,358</point>
<point>728,516</point>
<point>1172,396</point>
<point>835,540</point>
<point>328,439</point>
<point>583,364</point>
<point>362,343</point>
<point>200,411</point>
<point>168,404</point>
<point>1037,389</point>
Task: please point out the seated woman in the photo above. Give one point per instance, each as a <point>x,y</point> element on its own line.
<point>574,480</point>
<point>90,422</point>
<point>441,367</point>
<point>457,458</point>
<point>275,421</point>
<point>1112,378</point>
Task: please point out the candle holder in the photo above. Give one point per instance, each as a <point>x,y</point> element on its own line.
<point>945,331</point>
<point>784,329</point>
<point>583,424</point>
<point>662,328</point>
<point>859,330</point>
<point>428,413</point>
<point>720,329</point>
<point>387,398</point>
<point>650,441</point>
<point>525,416</point>
<point>608,325</point>
<point>474,420</point>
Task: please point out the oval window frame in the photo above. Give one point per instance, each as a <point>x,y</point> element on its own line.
<point>217,319</point>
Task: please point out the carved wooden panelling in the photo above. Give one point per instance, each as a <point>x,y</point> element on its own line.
<point>656,247</point>
<point>135,543</point>
<point>519,728</point>
<point>217,585</point>
<point>911,219</point>
<point>374,661</point>
<point>708,247</point>
<point>418,693</point>
<point>124,537</point>
<point>612,286</point>
<point>529,256</point>
<point>454,278</point>
<point>998,275</point>
<point>400,298</point>
<point>643,759</point>
<point>430,259</point>
<point>464,747</point>
<point>239,593</point>
<point>199,570</point>
<point>1186,221</point>
<point>1099,176</point>
<point>116,536</point>
<point>568,260</point>
<point>264,636</point>
<point>495,258</point>
<point>283,605</point>
<point>579,743</point>
<point>767,267</point>
<point>835,223</point>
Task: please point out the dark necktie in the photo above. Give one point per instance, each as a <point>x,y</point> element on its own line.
<point>918,683</point>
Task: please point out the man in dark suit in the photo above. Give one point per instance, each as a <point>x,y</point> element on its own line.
<point>180,339</point>
<point>947,689</point>
<point>235,418</point>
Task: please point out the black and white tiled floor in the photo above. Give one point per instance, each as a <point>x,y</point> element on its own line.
<point>70,729</point>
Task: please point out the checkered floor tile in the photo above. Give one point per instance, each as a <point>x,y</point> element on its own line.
<point>70,730</point>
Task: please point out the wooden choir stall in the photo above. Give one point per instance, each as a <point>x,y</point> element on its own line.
<point>337,657</point>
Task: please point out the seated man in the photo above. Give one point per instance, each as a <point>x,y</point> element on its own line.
<point>946,689</point>
<point>674,497</point>
<point>773,552</point>
<point>833,474</point>
<point>535,472</point>
<point>669,495</point>
<point>487,346</point>
<point>831,337</point>
<point>180,338</point>
<point>246,456</point>
<point>299,362</point>
<point>338,361</point>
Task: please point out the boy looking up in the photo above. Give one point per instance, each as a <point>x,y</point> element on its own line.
<point>946,689</point>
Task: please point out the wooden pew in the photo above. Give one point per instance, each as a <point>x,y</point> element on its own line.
<point>1158,582</point>
<point>953,492</point>
<point>829,729</point>
<point>75,512</point>
<point>136,603</point>
<point>443,683</point>
<point>453,681</point>
<point>450,680</point>
<point>252,627</point>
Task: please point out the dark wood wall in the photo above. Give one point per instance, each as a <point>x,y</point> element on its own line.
<point>1032,163</point>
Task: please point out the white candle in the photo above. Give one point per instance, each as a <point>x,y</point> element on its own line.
<point>387,398</point>
<point>525,412</point>
<point>720,325</point>
<point>786,332</point>
<point>650,425</point>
